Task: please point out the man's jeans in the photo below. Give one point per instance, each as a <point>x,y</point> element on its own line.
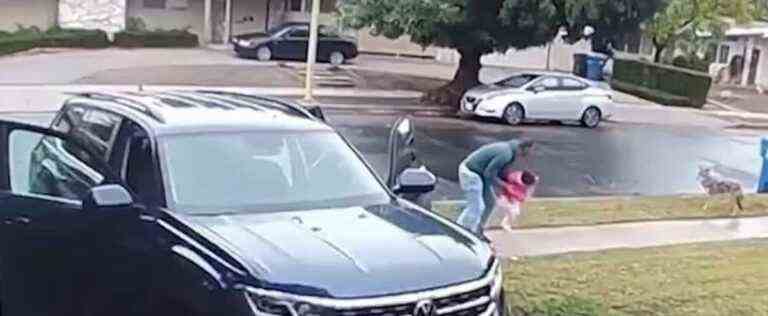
<point>472,184</point>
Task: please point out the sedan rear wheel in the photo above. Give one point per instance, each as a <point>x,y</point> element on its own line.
<point>591,117</point>
<point>264,53</point>
<point>514,114</point>
<point>336,58</point>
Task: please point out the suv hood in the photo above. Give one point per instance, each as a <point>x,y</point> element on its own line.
<point>348,252</point>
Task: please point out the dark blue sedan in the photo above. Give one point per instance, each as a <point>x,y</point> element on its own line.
<point>291,42</point>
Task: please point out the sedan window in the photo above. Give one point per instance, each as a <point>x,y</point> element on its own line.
<point>573,84</point>
<point>517,81</point>
<point>549,83</point>
<point>299,33</point>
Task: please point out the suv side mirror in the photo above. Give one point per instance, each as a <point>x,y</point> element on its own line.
<point>537,89</point>
<point>415,181</point>
<point>107,196</point>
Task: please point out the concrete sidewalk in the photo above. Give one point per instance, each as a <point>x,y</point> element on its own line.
<point>547,241</point>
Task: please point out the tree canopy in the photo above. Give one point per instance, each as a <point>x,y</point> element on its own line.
<point>477,27</point>
<point>696,18</point>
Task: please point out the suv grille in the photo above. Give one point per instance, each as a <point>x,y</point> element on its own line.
<point>463,304</point>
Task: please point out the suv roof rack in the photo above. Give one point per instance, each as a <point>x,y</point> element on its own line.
<point>273,103</point>
<point>123,100</point>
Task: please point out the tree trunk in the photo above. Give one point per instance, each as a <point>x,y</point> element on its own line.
<point>659,49</point>
<point>466,77</point>
<point>657,54</point>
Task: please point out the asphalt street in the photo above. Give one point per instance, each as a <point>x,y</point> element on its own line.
<point>615,159</point>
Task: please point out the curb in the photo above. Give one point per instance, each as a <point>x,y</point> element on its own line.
<point>756,126</point>
<point>725,106</point>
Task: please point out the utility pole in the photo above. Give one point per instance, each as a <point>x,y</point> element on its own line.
<point>312,53</point>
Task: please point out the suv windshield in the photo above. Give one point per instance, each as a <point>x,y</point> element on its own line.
<point>517,81</point>
<point>265,172</point>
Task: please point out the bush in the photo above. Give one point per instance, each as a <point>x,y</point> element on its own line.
<point>31,37</point>
<point>691,62</point>
<point>10,45</point>
<point>156,38</point>
<point>660,83</point>
<point>56,37</point>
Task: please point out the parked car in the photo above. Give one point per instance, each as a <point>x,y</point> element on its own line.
<point>540,96</point>
<point>291,41</point>
<point>214,203</point>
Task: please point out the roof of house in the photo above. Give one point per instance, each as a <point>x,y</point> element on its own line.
<point>750,29</point>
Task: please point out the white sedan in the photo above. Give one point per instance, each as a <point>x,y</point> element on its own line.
<point>540,96</point>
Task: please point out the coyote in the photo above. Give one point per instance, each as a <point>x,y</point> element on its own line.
<point>715,186</point>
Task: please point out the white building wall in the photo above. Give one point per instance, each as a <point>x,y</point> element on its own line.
<point>249,16</point>
<point>107,15</point>
<point>191,15</point>
<point>560,56</point>
<point>39,13</point>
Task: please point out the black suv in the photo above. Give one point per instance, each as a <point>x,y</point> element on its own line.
<point>215,203</point>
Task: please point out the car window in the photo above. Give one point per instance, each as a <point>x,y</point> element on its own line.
<point>101,124</point>
<point>299,33</point>
<point>139,171</point>
<point>550,83</point>
<point>265,172</point>
<point>517,81</point>
<point>327,32</point>
<point>43,166</point>
<point>572,84</point>
<point>96,130</point>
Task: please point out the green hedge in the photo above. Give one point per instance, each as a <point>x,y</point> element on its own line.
<point>692,62</point>
<point>157,38</point>
<point>660,83</point>
<point>29,38</point>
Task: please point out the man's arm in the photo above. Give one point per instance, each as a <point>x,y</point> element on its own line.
<point>492,171</point>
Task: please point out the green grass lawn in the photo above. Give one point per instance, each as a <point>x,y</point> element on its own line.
<point>546,213</point>
<point>700,279</point>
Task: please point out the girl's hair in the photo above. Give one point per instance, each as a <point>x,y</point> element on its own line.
<point>529,178</point>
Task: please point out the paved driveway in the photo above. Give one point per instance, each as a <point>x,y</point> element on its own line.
<point>67,66</point>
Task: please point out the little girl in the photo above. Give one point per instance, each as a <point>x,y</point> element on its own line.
<point>518,187</point>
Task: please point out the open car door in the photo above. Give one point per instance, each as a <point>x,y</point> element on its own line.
<point>406,176</point>
<point>59,212</point>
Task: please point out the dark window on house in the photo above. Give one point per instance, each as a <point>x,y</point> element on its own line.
<point>154,4</point>
<point>294,5</point>
<point>328,6</point>
<point>725,51</point>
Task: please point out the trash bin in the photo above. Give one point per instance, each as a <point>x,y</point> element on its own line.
<point>762,185</point>
<point>580,65</point>
<point>595,67</point>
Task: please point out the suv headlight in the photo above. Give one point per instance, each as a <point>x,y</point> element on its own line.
<point>262,304</point>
